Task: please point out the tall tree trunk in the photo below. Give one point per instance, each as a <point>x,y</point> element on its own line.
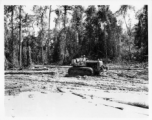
<point>118,42</point>
<point>56,24</point>
<point>11,41</point>
<point>106,36</point>
<point>65,13</point>
<point>20,36</point>
<point>49,36</point>
<point>106,48</point>
<point>42,56</point>
<point>29,59</point>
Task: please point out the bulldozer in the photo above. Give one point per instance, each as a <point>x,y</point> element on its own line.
<point>82,66</point>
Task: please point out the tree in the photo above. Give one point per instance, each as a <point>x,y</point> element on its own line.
<point>63,37</point>
<point>20,35</point>
<point>101,32</point>
<point>10,13</point>
<point>40,12</point>
<point>103,10</point>
<point>27,24</point>
<point>141,33</point>
<point>123,11</point>
<point>7,38</point>
<point>77,17</point>
<point>12,33</point>
<point>49,34</point>
<point>90,26</point>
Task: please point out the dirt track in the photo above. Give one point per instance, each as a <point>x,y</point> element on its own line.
<point>114,91</point>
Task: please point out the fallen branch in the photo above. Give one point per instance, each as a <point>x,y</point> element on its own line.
<point>78,95</point>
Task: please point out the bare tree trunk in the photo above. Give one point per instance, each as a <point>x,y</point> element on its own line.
<point>65,13</point>
<point>106,37</point>
<point>42,39</point>
<point>11,41</point>
<point>29,56</point>
<point>56,24</point>
<point>118,46</point>
<point>42,53</point>
<point>106,49</point>
<point>20,36</point>
<point>49,36</point>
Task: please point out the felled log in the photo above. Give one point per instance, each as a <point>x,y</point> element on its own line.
<point>31,72</point>
<point>119,68</point>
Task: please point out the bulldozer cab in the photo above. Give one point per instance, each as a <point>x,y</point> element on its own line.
<point>79,61</point>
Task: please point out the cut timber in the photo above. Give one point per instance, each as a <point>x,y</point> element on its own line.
<point>31,72</point>
<point>39,69</point>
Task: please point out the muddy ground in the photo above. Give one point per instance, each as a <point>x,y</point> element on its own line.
<point>115,93</point>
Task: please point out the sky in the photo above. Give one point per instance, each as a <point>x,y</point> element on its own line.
<point>113,8</point>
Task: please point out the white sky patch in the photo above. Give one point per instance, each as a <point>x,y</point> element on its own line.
<point>114,8</point>
<point>130,15</point>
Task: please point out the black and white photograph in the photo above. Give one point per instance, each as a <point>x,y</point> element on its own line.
<point>76,60</point>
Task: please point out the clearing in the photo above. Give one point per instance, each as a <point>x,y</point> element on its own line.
<point>49,92</point>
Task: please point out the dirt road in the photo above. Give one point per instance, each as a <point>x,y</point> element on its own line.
<point>113,94</point>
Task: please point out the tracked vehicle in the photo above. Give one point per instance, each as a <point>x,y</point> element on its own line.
<point>82,66</point>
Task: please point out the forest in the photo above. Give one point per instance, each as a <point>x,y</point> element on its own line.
<point>94,32</point>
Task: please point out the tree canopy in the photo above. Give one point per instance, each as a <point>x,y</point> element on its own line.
<point>94,31</point>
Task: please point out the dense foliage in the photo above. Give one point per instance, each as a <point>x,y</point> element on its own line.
<point>141,34</point>
<point>93,31</point>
